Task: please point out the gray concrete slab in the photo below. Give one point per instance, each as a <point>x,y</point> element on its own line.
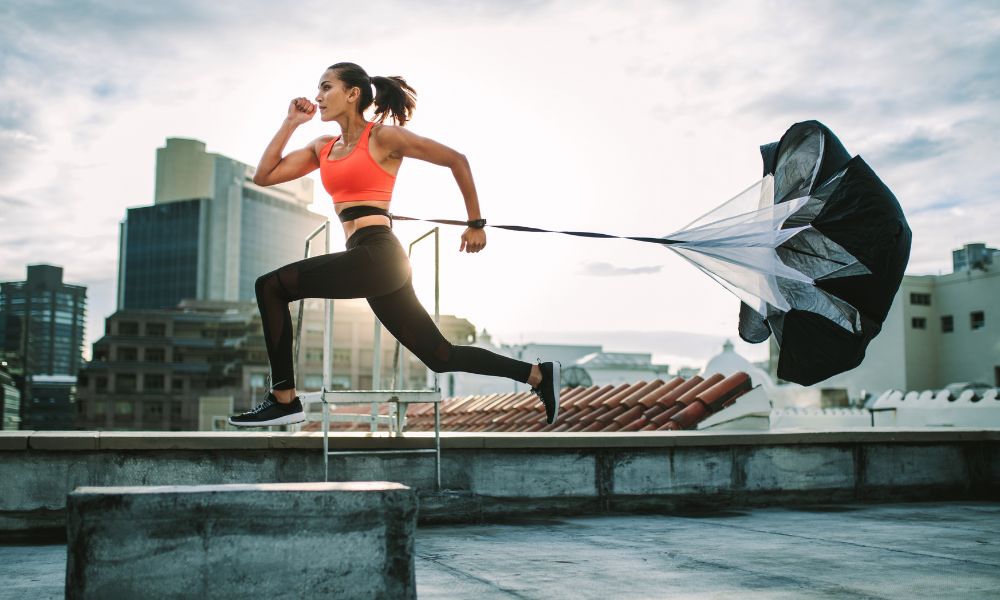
<point>275,540</point>
<point>937,551</point>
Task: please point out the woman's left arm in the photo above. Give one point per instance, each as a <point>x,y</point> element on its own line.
<point>400,142</point>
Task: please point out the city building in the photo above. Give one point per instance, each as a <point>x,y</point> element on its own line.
<point>940,330</point>
<point>192,366</point>
<point>42,323</point>
<point>974,257</point>
<point>10,400</point>
<point>210,232</point>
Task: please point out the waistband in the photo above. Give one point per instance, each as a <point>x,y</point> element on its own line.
<point>356,212</point>
<point>367,232</point>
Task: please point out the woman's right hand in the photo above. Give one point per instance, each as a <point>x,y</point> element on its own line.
<point>300,110</point>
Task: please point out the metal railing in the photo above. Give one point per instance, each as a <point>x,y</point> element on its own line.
<point>397,399</point>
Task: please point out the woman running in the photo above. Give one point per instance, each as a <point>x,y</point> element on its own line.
<point>358,169</point>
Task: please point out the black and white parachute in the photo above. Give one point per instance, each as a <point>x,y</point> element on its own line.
<point>815,250</point>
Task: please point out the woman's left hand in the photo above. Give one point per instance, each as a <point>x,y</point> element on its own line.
<point>473,240</point>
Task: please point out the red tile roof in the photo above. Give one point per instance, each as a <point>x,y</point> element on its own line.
<point>673,405</point>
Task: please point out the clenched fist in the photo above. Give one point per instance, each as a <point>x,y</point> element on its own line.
<point>300,110</point>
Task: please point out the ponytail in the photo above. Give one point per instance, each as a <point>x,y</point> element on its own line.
<point>393,96</point>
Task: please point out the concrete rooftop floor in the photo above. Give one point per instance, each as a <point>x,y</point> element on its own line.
<point>934,550</point>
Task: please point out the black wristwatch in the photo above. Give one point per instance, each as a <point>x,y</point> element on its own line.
<point>477,224</point>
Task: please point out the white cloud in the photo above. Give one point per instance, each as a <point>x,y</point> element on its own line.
<point>632,118</point>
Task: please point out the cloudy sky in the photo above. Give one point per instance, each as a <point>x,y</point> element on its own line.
<point>630,117</point>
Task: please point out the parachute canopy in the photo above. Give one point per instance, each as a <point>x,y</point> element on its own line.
<point>815,251</point>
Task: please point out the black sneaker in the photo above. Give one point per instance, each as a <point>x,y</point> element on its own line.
<point>548,389</point>
<point>271,412</point>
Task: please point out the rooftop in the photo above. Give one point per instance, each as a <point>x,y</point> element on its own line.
<point>912,551</point>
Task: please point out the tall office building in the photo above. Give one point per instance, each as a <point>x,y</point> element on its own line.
<point>41,337</point>
<point>210,232</point>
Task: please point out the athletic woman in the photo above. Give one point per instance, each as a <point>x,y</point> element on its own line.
<point>358,169</point>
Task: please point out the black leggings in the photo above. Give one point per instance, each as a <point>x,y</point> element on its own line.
<point>375,267</point>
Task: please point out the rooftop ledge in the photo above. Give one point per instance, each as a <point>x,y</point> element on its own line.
<point>487,475</point>
<point>263,440</point>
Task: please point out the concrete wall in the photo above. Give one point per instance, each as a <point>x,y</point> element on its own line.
<point>486,475</point>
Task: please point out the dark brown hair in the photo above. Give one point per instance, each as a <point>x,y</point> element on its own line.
<point>393,96</point>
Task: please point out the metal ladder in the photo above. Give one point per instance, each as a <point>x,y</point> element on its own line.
<point>397,399</point>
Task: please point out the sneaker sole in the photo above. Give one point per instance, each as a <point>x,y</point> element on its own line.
<point>285,420</point>
<point>556,385</point>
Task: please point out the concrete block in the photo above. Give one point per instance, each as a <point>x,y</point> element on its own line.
<point>798,468</point>
<point>904,465</point>
<point>676,471</point>
<point>533,474</point>
<point>303,540</point>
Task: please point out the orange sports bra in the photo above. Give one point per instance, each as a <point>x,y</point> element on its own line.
<point>356,176</point>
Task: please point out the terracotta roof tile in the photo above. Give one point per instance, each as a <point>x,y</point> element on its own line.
<point>629,415</point>
<point>609,414</point>
<point>636,425</point>
<point>640,406</point>
<point>651,399</point>
<point>728,389</point>
<point>613,397</point>
<point>691,414</point>
<point>689,396</point>
<point>643,391</point>
<point>665,416</point>
<point>654,410</point>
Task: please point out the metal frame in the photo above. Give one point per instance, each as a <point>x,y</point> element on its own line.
<point>397,399</point>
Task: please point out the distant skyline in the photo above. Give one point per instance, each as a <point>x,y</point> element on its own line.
<point>628,117</point>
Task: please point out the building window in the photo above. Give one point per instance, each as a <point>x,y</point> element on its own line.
<point>175,411</point>
<point>342,356</point>
<point>128,328</point>
<point>977,319</point>
<point>125,382</point>
<point>156,355</point>
<point>101,383</point>
<point>123,408</point>
<point>153,382</point>
<point>919,323</point>
<point>127,354</point>
<point>154,410</point>
<point>176,384</point>
<point>156,329</point>
<point>947,324</point>
<point>99,408</point>
<point>920,299</point>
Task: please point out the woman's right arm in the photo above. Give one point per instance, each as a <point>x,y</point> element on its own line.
<point>273,168</point>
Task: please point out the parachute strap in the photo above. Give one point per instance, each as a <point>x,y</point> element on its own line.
<point>589,234</point>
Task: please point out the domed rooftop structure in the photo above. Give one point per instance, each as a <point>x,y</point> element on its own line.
<point>728,362</point>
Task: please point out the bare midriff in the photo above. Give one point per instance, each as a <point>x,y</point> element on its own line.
<point>351,226</point>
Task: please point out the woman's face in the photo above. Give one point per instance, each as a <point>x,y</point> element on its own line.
<point>333,97</point>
